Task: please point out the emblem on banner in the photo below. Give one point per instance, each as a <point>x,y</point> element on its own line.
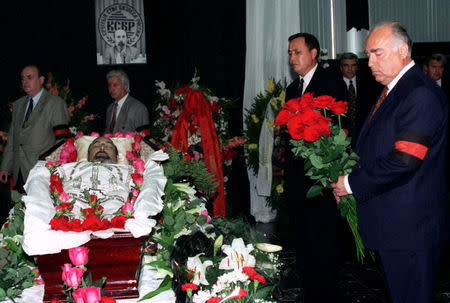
<point>120,17</point>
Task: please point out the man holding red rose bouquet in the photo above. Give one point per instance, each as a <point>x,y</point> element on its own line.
<point>400,181</point>
<point>314,223</point>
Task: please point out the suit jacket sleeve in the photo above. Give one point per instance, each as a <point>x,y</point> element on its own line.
<point>420,117</point>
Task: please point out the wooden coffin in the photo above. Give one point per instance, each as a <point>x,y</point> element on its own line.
<point>116,258</point>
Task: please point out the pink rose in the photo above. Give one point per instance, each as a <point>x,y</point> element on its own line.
<point>79,134</point>
<point>89,294</point>
<point>129,135</point>
<point>136,146</point>
<point>79,255</point>
<point>65,269</point>
<point>137,179</point>
<point>127,209</point>
<point>129,155</point>
<point>64,196</point>
<point>135,192</point>
<point>118,135</point>
<point>95,134</point>
<point>205,213</point>
<point>73,277</point>
<point>139,165</point>
<point>108,135</point>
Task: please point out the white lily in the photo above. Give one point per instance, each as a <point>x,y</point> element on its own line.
<point>198,269</point>
<point>238,255</point>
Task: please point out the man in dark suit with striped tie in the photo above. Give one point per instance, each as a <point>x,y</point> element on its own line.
<point>400,181</point>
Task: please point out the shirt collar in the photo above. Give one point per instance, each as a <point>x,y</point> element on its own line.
<point>307,78</point>
<point>439,82</point>
<point>121,101</point>
<point>37,97</point>
<point>347,81</point>
<point>392,84</point>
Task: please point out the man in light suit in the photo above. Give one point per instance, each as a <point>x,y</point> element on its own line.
<point>314,221</point>
<point>39,119</point>
<point>400,181</point>
<point>125,114</point>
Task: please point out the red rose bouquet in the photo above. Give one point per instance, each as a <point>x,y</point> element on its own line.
<point>325,148</point>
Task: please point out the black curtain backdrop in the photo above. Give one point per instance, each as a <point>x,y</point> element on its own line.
<point>181,36</point>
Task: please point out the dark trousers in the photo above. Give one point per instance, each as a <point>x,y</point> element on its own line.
<point>411,274</point>
<point>316,249</point>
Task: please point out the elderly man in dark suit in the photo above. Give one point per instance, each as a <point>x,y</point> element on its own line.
<point>400,181</point>
<point>39,119</point>
<point>125,114</point>
<point>314,220</point>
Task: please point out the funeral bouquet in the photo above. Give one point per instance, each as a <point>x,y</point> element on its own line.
<point>325,148</point>
<point>195,121</point>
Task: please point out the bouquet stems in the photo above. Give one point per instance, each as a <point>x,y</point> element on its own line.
<point>347,207</point>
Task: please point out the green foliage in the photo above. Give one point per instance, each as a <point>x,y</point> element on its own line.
<point>177,168</point>
<point>15,266</point>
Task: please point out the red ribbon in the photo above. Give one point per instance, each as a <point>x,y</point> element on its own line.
<point>197,111</point>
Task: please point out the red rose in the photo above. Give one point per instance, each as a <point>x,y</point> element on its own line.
<point>94,200</point>
<point>296,128</point>
<point>312,134</point>
<point>92,222</point>
<point>54,178</point>
<point>283,117</point>
<point>118,222</point>
<point>60,223</point>
<point>137,138</point>
<point>214,300</point>
<point>187,157</point>
<point>75,225</point>
<point>323,101</point>
<point>339,107</point>
<point>88,211</point>
<point>137,179</point>
<point>105,224</point>
<point>345,131</point>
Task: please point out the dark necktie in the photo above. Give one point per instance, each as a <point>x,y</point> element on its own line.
<point>380,100</point>
<point>300,88</point>
<point>352,103</point>
<point>113,120</point>
<point>29,110</point>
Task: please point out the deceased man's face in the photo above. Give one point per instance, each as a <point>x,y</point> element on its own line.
<point>102,150</point>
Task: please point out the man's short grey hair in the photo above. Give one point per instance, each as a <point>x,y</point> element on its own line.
<point>398,31</point>
<point>122,75</point>
<point>348,56</point>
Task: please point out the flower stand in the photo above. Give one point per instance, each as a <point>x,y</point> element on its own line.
<point>116,258</point>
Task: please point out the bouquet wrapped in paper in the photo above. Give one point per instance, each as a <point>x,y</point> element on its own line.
<point>324,146</point>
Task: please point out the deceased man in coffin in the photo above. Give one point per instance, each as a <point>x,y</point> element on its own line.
<point>102,172</point>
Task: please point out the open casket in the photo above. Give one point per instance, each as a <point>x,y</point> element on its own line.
<point>114,253</point>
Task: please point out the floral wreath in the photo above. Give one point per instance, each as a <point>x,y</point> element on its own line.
<point>93,215</point>
<point>275,95</point>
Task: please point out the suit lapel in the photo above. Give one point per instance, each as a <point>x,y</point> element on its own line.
<point>123,113</point>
